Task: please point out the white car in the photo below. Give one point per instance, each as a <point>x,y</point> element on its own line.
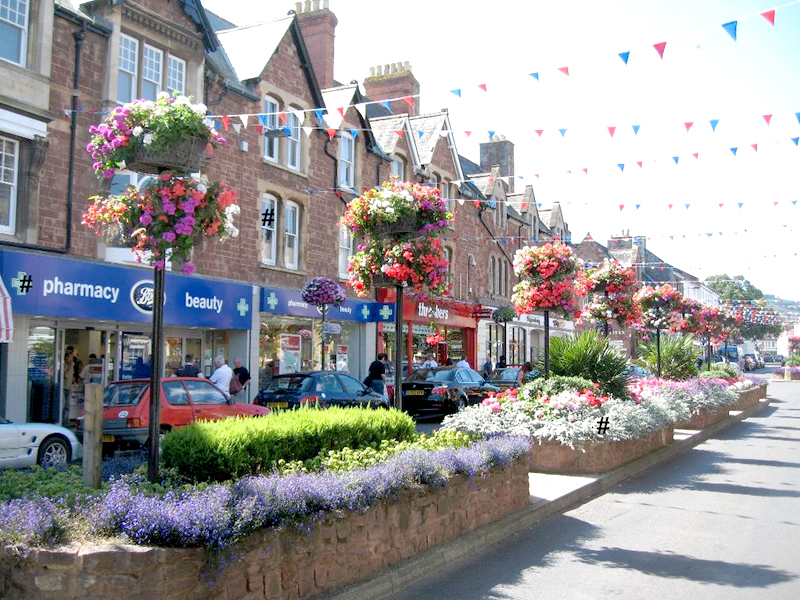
<point>43,444</point>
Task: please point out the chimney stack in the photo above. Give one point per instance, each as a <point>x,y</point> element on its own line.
<point>394,80</point>
<point>318,26</point>
<point>499,151</point>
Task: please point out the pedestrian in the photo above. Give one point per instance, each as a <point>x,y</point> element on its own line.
<point>487,367</point>
<point>375,375</point>
<point>501,364</point>
<point>243,375</point>
<point>463,363</point>
<point>430,363</point>
<point>222,376</point>
<point>189,369</point>
<point>523,373</point>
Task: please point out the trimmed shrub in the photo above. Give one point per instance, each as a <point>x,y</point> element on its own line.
<point>557,384</point>
<point>678,356</point>
<point>719,371</point>
<point>236,447</point>
<point>590,355</point>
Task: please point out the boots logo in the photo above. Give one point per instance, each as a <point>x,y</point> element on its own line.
<point>142,294</point>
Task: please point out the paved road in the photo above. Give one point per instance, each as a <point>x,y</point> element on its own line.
<point>719,521</point>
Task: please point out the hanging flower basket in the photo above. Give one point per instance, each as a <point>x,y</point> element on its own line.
<point>611,288</point>
<point>397,209</point>
<point>322,292</point>
<point>184,156</point>
<point>504,314</point>
<point>660,307</point>
<point>551,279</point>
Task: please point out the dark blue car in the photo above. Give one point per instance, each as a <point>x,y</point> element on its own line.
<point>318,388</point>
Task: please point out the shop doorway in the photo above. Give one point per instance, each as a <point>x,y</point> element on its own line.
<point>176,350</point>
<point>43,374</point>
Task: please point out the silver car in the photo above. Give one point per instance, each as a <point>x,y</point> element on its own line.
<point>44,444</point>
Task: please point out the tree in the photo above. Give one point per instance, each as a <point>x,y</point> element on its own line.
<point>738,289</point>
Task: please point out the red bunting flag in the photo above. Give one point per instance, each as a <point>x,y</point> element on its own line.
<point>331,132</point>
<point>696,154</point>
<point>282,116</point>
<point>536,175</point>
<point>755,147</point>
<point>767,118</point>
<point>539,131</point>
<point>564,70</point>
<point>477,203</point>
<point>586,170</point>
<point>769,15</point>
<point>399,132</point>
<point>259,130</point>
<point>774,204</point>
<point>621,206</point>
<point>408,100</point>
<point>225,120</point>
<point>688,125</point>
<point>341,111</point>
<point>482,86</point>
<point>670,206</point>
<point>469,133</point>
<point>638,162</point>
<point>720,204</point>
<point>720,233</point>
<point>660,48</point>
<point>611,131</point>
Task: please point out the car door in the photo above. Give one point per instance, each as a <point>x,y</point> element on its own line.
<point>334,395</point>
<point>9,443</point>
<point>477,386</point>
<point>356,393</point>
<point>176,409</point>
<point>207,401</point>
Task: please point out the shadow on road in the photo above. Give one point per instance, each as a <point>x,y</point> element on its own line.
<point>679,566</point>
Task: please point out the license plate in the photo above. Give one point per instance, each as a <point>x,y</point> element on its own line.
<point>415,393</point>
<point>278,404</point>
<point>108,438</point>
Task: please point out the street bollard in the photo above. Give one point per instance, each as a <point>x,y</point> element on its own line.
<point>92,434</point>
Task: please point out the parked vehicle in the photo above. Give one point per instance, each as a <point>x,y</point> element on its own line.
<point>749,362</point>
<point>443,390</point>
<point>318,388</point>
<point>507,378</point>
<point>43,444</point>
<point>126,408</point>
<point>635,370</point>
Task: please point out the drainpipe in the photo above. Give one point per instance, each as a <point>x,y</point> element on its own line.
<point>335,167</point>
<point>79,36</point>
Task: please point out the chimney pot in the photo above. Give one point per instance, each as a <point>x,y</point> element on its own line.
<point>407,66</point>
<point>372,71</point>
<point>379,70</point>
<point>385,69</point>
<point>315,4</point>
<point>325,4</point>
<point>298,7</point>
<point>394,67</point>
<point>307,7</point>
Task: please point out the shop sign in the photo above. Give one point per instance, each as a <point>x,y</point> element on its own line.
<point>290,302</point>
<point>61,287</point>
<point>289,355</point>
<point>341,358</point>
<point>333,328</point>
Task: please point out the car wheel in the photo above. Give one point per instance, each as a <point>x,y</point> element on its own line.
<point>53,452</point>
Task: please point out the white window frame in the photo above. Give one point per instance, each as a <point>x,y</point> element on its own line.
<point>293,145</point>
<point>266,200</point>
<point>347,160</point>
<point>176,74</point>
<point>399,167</point>
<point>120,69</point>
<point>345,251</point>
<point>152,56</point>
<point>293,261</point>
<point>13,183</point>
<point>23,38</point>
<point>271,145</point>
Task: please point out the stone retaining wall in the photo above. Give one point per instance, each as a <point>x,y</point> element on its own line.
<point>598,457</point>
<point>748,398</point>
<point>705,418</point>
<point>274,564</point>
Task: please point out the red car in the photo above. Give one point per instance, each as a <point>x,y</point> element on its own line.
<point>126,408</point>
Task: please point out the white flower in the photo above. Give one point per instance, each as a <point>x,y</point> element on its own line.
<point>137,131</point>
<point>148,139</point>
<point>122,164</point>
<point>162,95</point>
<point>200,109</point>
<point>202,187</point>
<point>148,105</point>
<point>182,100</point>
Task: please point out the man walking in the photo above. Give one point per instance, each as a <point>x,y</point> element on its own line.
<point>222,376</point>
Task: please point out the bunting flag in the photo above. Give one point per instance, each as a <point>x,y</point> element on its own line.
<point>282,116</point>
<point>317,113</point>
<point>720,204</point>
<point>586,170</point>
<point>386,104</point>
<point>734,150</point>
<point>769,15</point>
<point>331,132</point>
<point>696,154</point>
<point>420,133</point>
<point>621,206</point>
<point>660,48</point>
<point>767,118</point>
<point>491,134</point>
<point>354,133</point>
<point>621,166</point>
<point>687,206</point>
<point>675,158</point>
<point>361,107</point>
<point>688,125</point>
<point>469,133</point>
<point>243,119</point>
<point>624,56</point>
<point>564,70</point>
<point>408,100</point>
<point>399,132</point>
<point>611,131</point>
<point>670,206</point>
<point>714,123</point>
<point>636,129</point>
<point>731,29</point>
<point>482,86</point>
<point>539,131</point>
<point>638,162</point>
<point>307,130</point>
<point>535,76</point>
<point>563,132</point>
<point>755,147</point>
<point>456,92</point>
<point>237,127</point>
<point>637,206</point>
<point>795,140</point>
<point>740,204</point>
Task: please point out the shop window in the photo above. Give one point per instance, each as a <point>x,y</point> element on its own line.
<point>346,160</point>
<point>270,122</point>
<point>176,75</point>
<point>9,174</point>
<point>345,250</point>
<point>399,168</point>
<point>203,392</point>
<point>293,142</point>
<point>291,235</point>
<point>152,60</point>
<point>13,30</point>
<point>269,207</point>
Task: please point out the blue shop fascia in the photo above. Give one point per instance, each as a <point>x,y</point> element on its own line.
<point>105,310</point>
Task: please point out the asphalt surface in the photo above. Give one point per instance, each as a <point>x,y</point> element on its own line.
<point>720,521</point>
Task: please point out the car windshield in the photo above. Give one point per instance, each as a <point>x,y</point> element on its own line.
<point>293,383</point>
<point>124,394</point>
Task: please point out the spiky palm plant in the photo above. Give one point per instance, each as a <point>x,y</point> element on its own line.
<point>590,355</point>
<point>678,356</point>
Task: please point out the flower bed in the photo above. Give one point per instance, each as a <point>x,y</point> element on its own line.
<point>354,524</point>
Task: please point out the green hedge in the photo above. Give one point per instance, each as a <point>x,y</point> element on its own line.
<point>721,370</point>
<point>239,446</point>
<point>556,384</point>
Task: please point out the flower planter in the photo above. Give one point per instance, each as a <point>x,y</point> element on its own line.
<point>748,398</point>
<point>404,226</point>
<point>382,281</point>
<point>704,418</point>
<point>186,156</point>
<point>791,375</point>
<point>597,457</point>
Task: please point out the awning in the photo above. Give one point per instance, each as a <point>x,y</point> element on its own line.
<point>6,320</point>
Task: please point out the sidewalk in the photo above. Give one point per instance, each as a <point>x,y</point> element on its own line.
<point>550,494</point>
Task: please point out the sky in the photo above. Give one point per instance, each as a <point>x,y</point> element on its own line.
<point>704,75</point>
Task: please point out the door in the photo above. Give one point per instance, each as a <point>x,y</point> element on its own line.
<point>43,373</point>
<point>331,391</point>
<point>207,401</point>
<point>478,390</point>
<point>356,393</point>
<point>176,409</point>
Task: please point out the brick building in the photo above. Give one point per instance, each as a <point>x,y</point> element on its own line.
<point>299,146</point>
